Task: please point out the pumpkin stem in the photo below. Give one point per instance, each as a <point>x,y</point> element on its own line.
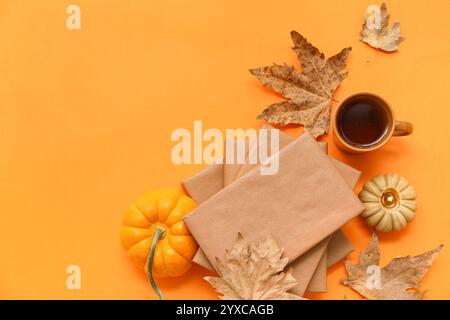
<point>158,233</point>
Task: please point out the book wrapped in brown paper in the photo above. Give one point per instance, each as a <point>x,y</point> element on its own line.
<point>300,205</point>
<point>310,279</point>
<point>311,266</point>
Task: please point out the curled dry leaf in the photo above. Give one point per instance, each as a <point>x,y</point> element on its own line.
<point>382,37</point>
<point>392,281</point>
<point>254,271</point>
<point>309,92</point>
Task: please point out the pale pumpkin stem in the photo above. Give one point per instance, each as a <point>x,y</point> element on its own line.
<point>157,234</point>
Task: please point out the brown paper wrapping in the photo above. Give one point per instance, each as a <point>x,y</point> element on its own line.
<point>303,267</point>
<point>215,223</point>
<point>313,265</point>
<point>310,269</point>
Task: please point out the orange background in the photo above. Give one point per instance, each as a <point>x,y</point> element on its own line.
<point>86,118</point>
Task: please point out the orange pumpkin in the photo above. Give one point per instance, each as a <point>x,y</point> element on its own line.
<point>157,218</point>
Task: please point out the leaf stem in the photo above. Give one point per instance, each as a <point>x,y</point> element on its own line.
<point>335,100</point>
<point>158,233</point>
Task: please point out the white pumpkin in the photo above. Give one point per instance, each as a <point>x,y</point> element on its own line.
<point>390,202</point>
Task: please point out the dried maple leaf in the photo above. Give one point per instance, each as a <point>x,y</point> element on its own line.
<point>254,271</point>
<point>309,92</point>
<point>400,275</point>
<point>382,37</point>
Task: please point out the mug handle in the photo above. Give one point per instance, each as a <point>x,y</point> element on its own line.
<point>402,128</point>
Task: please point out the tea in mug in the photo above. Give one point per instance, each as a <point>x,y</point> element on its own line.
<point>363,122</point>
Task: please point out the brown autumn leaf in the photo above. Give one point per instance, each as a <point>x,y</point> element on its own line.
<point>309,93</point>
<point>395,279</point>
<point>381,36</point>
<point>254,271</point>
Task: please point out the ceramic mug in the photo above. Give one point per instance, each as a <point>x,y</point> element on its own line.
<point>364,122</point>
